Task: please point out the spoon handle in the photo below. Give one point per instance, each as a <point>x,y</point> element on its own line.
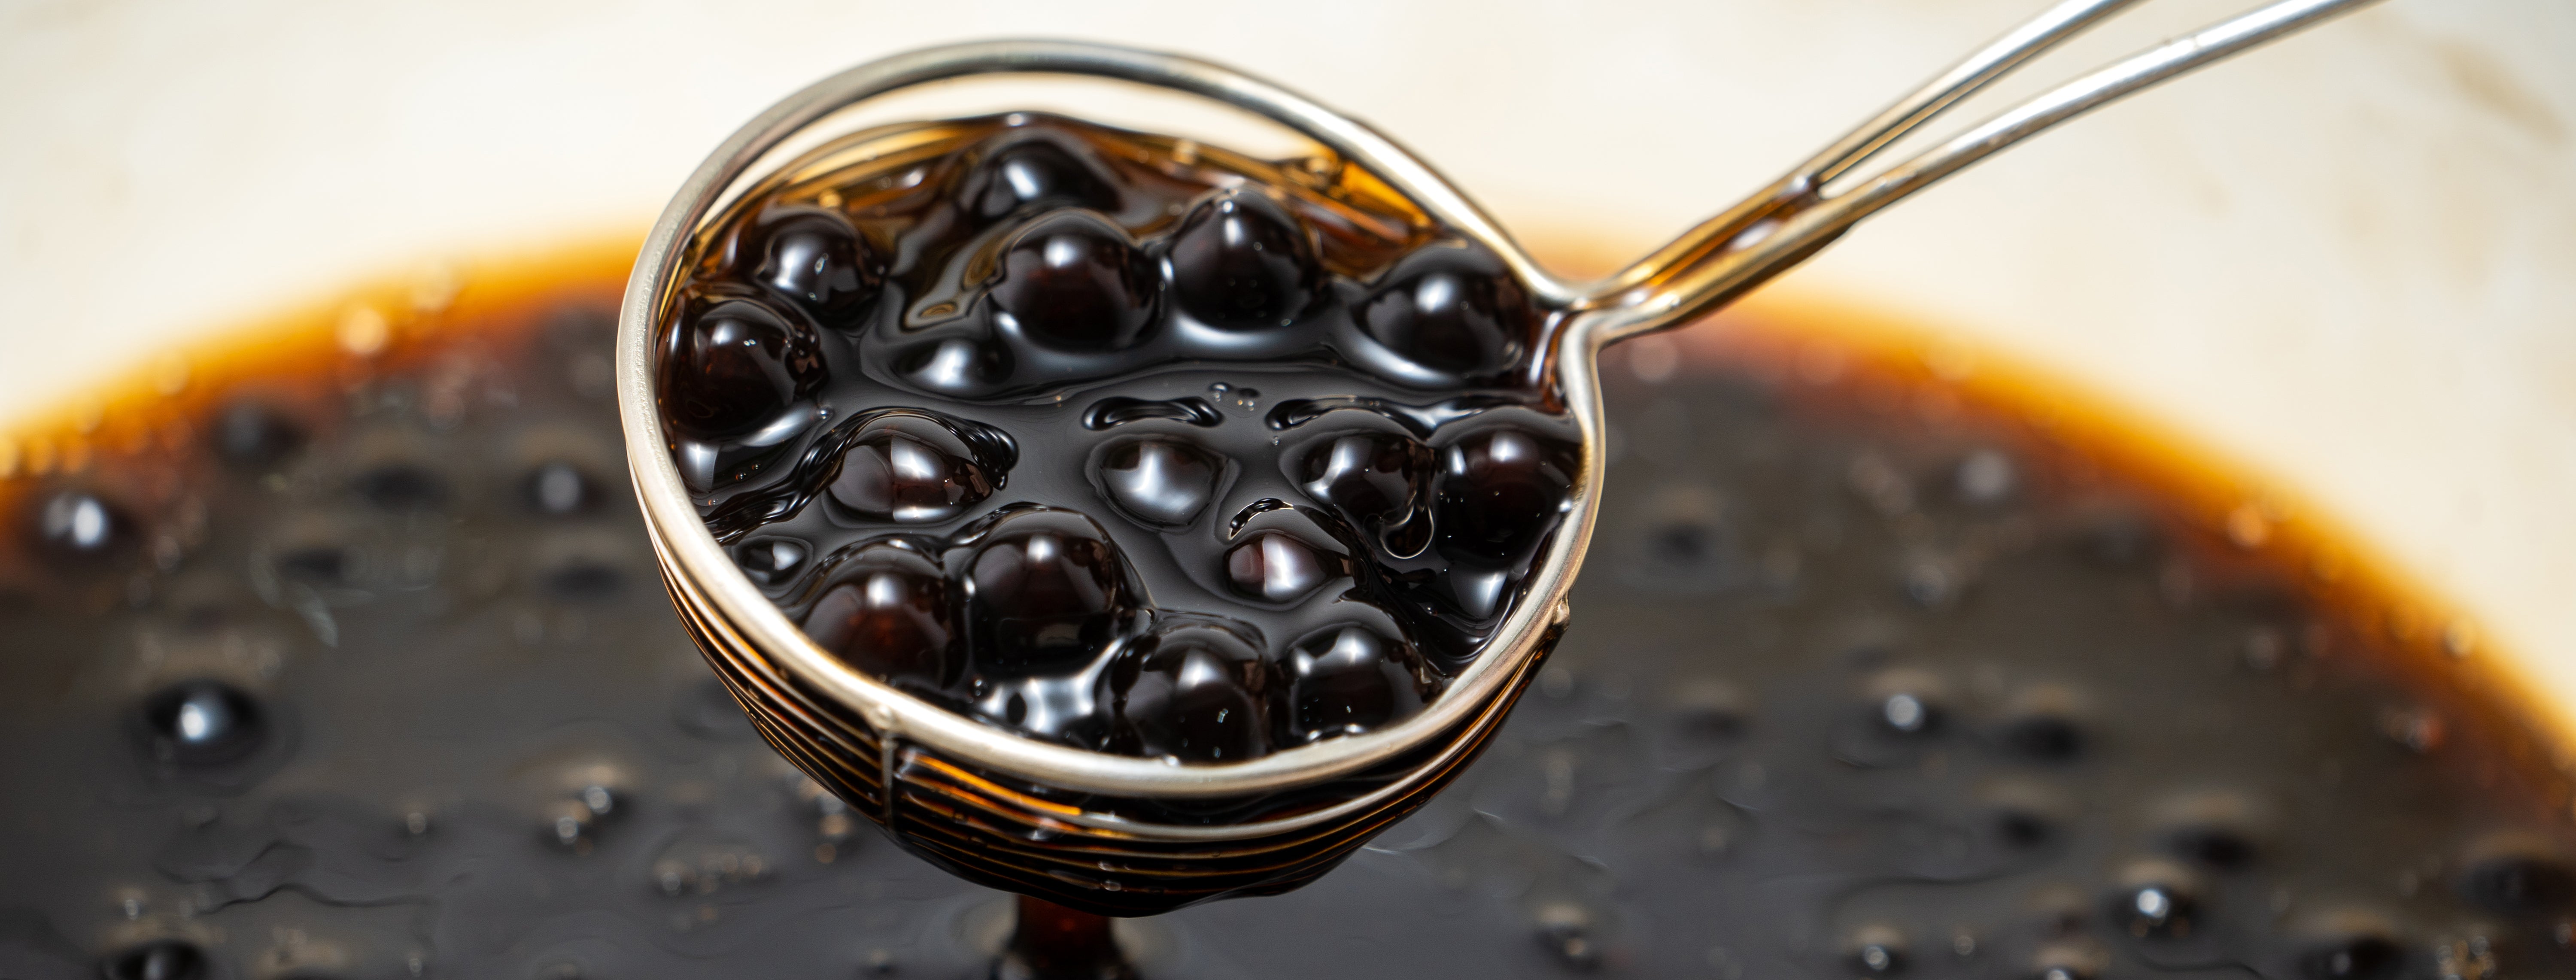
<point>1793,218</point>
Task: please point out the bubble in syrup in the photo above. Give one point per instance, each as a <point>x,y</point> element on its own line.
<point>79,524</point>
<point>202,723</point>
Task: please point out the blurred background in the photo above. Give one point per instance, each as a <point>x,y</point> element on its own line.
<point>2348,260</point>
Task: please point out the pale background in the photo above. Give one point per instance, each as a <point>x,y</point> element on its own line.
<point>2351,257</point>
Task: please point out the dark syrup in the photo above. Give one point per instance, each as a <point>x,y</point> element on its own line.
<point>1097,436</point>
<point>1871,678</point>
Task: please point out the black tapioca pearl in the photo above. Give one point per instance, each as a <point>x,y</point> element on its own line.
<point>1071,281</point>
<point>1045,589</point>
<point>160,959</point>
<point>1278,567</point>
<point>1242,262</point>
<point>1198,692</point>
<point>1030,171</point>
<point>1348,679</point>
<point>251,435</point>
<point>202,723</point>
<point>812,256</point>
<point>1157,481</point>
<point>771,561</point>
<point>2155,900</point>
<point>734,365</point>
<point>886,611</point>
<point>1452,310</point>
<point>911,468</point>
<point>81,526</point>
<point>1377,480</point>
<point>560,489</point>
<point>1500,491</point>
<point>955,365</point>
<point>2514,876</point>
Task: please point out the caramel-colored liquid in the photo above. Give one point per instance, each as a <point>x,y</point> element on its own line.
<point>340,653</point>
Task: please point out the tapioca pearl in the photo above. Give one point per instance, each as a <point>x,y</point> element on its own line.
<point>1500,491</point>
<point>1242,262</point>
<point>1046,590</point>
<point>1274,566</point>
<point>1157,481</point>
<point>251,435</point>
<point>771,561</point>
<point>2155,900</point>
<point>886,612</point>
<point>910,468</point>
<point>1348,679</point>
<point>1452,310</point>
<point>813,257</point>
<point>202,723</point>
<point>82,526</point>
<point>1071,281</point>
<point>1376,479</point>
<point>1021,171</point>
<point>160,959</point>
<point>734,365</point>
<point>955,365</point>
<point>1194,692</point>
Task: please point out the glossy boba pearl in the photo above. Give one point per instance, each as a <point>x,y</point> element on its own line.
<point>202,723</point>
<point>1157,482</point>
<point>160,959</point>
<point>1032,172</point>
<point>2155,901</point>
<point>909,469</point>
<point>1344,680</point>
<point>1275,567</point>
<point>1196,693</point>
<point>1373,478</point>
<point>1071,281</point>
<point>1242,262</point>
<point>736,365</point>
<point>813,257</point>
<point>1045,590</point>
<point>1451,310</point>
<point>886,613</point>
<point>1499,491</point>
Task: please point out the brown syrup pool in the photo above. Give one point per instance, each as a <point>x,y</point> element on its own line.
<point>341,655</point>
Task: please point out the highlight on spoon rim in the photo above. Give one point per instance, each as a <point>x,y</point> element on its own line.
<point>698,567</point>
